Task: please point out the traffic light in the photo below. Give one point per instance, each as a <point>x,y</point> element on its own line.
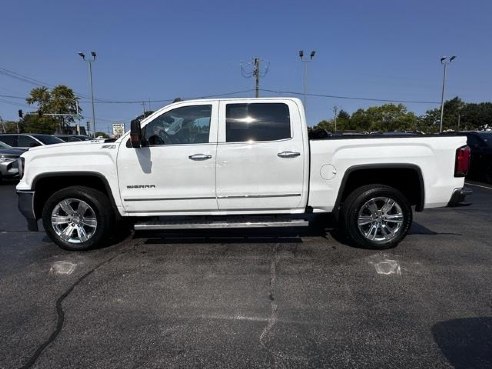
<point>21,114</point>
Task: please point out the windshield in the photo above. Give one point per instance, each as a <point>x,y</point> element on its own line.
<point>3,145</point>
<point>48,140</point>
<point>486,137</point>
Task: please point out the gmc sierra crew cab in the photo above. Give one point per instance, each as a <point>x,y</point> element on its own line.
<point>233,163</point>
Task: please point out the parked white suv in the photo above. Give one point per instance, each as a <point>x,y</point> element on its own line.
<point>27,140</point>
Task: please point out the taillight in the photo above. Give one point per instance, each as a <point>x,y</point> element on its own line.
<point>462,163</point>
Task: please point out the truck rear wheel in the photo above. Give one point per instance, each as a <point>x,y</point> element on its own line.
<point>78,218</point>
<point>376,217</point>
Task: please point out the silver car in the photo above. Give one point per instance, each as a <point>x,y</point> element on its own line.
<point>8,161</point>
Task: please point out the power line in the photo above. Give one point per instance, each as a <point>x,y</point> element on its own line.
<point>223,94</point>
<point>12,103</point>
<point>150,101</point>
<point>20,77</point>
<point>353,97</point>
<point>27,79</point>
<point>84,98</point>
<point>13,97</point>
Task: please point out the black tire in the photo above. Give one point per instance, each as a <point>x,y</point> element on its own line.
<point>78,218</point>
<point>376,217</point>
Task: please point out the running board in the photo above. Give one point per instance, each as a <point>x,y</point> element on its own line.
<point>163,225</point>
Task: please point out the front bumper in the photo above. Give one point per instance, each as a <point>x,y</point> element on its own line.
<point>459,195</point>
<point>26,207</point>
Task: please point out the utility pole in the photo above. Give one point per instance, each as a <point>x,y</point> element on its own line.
<point>252,69</point>
<point>256,73</point>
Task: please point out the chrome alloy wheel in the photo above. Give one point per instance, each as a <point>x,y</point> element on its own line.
<point>380,219</point>
<point>74,220</point>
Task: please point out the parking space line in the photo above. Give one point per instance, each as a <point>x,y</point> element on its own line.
<point>475,185</point>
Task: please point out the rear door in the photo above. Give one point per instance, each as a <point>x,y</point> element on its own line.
<point>261,158</point>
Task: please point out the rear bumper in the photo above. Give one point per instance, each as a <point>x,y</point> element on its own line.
<point>26,207</point>
<point>459,196</point>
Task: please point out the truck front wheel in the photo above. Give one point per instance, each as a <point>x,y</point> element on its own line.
<point>376,217</point>
<point>78,218</point>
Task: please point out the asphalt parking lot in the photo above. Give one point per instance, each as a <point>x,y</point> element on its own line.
<point>250,299</point>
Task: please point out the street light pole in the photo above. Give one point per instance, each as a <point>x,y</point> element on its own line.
<point>305,77</point>
<point>445,60</point>
<point>90,61</point>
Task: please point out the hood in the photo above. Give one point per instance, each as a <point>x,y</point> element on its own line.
<point>71,148</point>
<point>12,152</point>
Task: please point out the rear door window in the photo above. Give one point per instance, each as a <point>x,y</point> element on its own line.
<point>257,122</point>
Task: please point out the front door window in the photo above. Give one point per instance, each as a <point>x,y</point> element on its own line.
<point>185,125</point>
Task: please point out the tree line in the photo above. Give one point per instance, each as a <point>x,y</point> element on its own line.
<point>458,115</point>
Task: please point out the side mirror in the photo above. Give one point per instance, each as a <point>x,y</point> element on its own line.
<point>136,134</point>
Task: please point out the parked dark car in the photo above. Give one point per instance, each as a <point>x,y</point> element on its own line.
<point>8,161</point>
<point>481,155</point>
<point>27,140</point>
<point>73,138</point>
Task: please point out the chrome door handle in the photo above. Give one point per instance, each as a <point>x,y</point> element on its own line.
<point>288,154</point>
<point>199,157</point>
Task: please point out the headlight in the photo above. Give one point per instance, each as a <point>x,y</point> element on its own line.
<point>7,159</point>
<point>20,165</point>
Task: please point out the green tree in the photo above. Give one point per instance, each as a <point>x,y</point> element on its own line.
<point>452,111</point>
<point>476,116</point>
<point>384,118</point>
<point>61,101</point>
<point>342,123</point>
<point>41,97</point>
<point>33,123</point>
<point>8,127</point>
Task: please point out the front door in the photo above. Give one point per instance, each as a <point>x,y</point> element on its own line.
<point>175,170</point>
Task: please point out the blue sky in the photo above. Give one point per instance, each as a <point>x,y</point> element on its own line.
<point>158,50</point>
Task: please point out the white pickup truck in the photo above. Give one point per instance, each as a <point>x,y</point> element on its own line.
<point>233,163</point>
